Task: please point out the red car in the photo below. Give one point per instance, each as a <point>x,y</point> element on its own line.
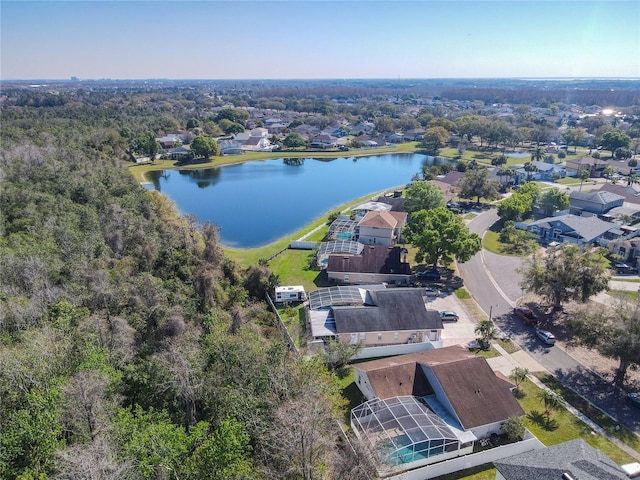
<point>526,315</point>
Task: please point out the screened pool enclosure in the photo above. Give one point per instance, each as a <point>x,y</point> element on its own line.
<point>402,430</point>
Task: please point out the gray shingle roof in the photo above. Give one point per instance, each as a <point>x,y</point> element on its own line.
<point>588,228</point>
<point>395,309</point>
<point>575,457</point>
<point>600,197</point>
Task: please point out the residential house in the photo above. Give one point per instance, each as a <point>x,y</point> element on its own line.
<point>381,227</point>
<point>334,247</point>
<point>414,135</point>
<point>306,131</point>
<point>454,391</point>
<point>448,183</point>
<point>395,137</point>
<point>335,131</point>
<point>394,319</point>
<point>631,193</point>
<point>230,147</point>
<point>361,210</point>
<point>257,144</point>
<point>366,141</point>
<point>361,128</point>
<point>324,141</point>
<point>376,264</point>
<point>595,166</point>
<point>180,152</point>
<point>575,459</point>
<point>168,141</point>
<point>573,229</point>
<point>597,202</point>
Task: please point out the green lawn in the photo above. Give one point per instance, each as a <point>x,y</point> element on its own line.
<point>295,268</point>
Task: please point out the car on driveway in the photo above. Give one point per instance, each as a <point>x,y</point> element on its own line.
<point>547,337</point>
<point>431,292</point>
<point>448,316</point>
<point>634,399</point>
<point>526,315</point>
<point>428,275</point>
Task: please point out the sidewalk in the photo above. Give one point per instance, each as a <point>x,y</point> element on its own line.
<point>507,362</point>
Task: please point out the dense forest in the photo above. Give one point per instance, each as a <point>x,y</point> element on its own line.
<point>130,347</point>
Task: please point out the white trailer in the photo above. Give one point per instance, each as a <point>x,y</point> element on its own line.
<point>290,293</point>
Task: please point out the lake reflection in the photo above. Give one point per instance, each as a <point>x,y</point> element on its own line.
<point>256,203</point>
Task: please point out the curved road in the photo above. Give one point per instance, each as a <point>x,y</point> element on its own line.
<point>485,289</point>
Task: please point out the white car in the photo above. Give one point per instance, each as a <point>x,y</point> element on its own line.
<point>431,292</point>
<point>546,336</point>
<point>449,316</point>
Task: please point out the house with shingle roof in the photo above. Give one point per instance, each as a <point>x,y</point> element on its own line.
<point>575,459</point>
<point>376,264</point>
<point>457,384</point>
<point>580,230</point>
<point>381,227</point>
<point>375,317</point>
<point>598,202</point>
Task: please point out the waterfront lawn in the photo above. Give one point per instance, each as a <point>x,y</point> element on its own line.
<point>297,267</point>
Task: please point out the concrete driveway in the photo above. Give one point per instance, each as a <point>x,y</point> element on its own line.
<point>454,333</point>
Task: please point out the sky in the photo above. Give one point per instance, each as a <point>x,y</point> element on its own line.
<point>316,39</point>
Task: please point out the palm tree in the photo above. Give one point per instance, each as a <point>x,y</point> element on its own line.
<point>583,174</point>
<point>538,155</point>
<point>551,400</point>
<point>530,168</point>
<point>519,375</point>
<point>607,172</point>
<point>487,331</point>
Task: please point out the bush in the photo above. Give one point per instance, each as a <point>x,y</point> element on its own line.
<point>633,162</point>
<point>561,154</point>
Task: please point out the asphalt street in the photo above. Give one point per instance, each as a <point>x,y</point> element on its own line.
<point>484,285</point>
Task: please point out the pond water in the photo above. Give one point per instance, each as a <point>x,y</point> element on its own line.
<point>256,203</point>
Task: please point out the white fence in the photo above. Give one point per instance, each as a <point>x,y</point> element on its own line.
<point>468,461</point>
<point>391,350</point>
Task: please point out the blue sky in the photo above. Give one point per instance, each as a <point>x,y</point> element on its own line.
<point>319,39</point>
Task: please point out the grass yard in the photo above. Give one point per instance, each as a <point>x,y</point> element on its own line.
<point>564,426</point>
<point>294,268</point>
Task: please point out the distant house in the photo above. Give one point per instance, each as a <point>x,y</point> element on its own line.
<point>324,141</point>
<point>168,141</point>
<point>572,460</point>
<point>595,166</point>
<point>414,135</point>
<point>376,317</point>
<point>179,152</point>
<point>395,137</point>
<point>631,193</point>
<point>376,264</point>
<point>597,202</point>
<point>229,147</point>
<point>361,210</point>
<point>381,227</point>
<point>571,228</point>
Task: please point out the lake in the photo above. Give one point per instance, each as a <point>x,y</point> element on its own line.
<point>256,203</point>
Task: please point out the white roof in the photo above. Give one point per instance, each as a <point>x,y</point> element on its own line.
<point>290,288</point>
<point>373,207</point>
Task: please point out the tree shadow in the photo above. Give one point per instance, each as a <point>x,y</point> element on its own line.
<point>542,420</point>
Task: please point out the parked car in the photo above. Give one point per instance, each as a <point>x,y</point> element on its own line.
<point>546,336</point>
<point>634,399</point>
<point>526,315</point>
<point>623,268</point>
<point>432,292</point>
<point>449,316</point>
<point>428,275</point>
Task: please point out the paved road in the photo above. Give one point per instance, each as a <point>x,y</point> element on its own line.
<point>484,287</point>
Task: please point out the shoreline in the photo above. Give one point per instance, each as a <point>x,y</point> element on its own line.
<point>260,156</point>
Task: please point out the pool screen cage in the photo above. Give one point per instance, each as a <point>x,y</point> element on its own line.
<point>402,430</point>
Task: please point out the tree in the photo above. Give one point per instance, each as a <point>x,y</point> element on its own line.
<point>499,160</point>
<point>476,183</point>
<point>435,138</point>
<point>607,172</point>
<point>538,155</point>
<point>552,200</point>
<point>515,206</point>
<point>146,144</point>
<point>439,234</point>
<point>614,139</point>
<point>551,401</point>
<point>293,140</point>
<point>423,195</point>
<point>514,428</point>
<point>583,174</point>
<point>566,273</point>
<point>337,354</point>
<point>614,331</point>
<point>487,331</point>
<point>519,375</point>
<point>622,153</point>
<point>206,147</point>
<point>530,168</point>
<point>574,136</point>
<point>222,455</point>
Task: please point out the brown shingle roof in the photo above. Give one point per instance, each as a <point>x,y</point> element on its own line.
<point>378,219</point>
<point>476,394</point>
<point>374,259</point>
